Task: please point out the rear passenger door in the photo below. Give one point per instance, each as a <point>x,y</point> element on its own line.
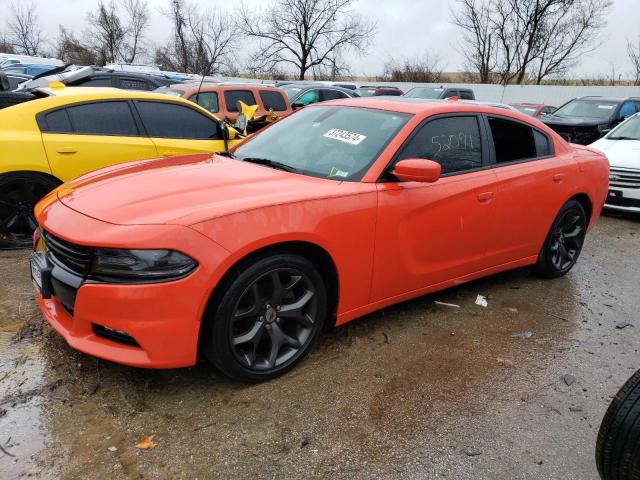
<point>88,136</point>
<point>533,183</point>
<point>177,129</point>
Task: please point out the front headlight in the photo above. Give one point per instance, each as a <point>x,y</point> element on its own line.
<point>146,266</point>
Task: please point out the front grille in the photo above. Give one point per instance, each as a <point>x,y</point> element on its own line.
<point>75,258</point>
<point>581,135</point>
<point>624,178</point>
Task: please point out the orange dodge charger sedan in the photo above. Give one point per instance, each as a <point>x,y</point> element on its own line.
<point>338,210</point>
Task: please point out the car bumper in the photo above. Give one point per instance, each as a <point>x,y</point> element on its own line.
<point>623,199</point>
<point>143,325</point>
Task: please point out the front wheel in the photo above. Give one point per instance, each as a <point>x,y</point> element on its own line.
<point>267,318</point>
<point>563,244</point>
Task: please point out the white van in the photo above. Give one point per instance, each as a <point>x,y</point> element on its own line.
<point>11,59</point>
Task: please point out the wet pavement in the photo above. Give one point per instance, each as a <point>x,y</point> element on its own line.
<point>419,390</point>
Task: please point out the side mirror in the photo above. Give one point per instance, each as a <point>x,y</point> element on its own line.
<point>297,105</point>
<point>417,170</point>
<point>4,82</point>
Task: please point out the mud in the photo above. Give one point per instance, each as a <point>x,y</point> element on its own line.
<point>418,390</point>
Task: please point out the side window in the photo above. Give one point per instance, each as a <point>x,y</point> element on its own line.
<point>326,95</point>
<point>308,97</point>
<point>128,83</point>
<point>170,120</point>
<point>207,100</point>
<point>273,100</point>
<point>103,118</point>
<point>453,142</point>
<point>512,140</point>
<point>56,122</point>
<point>231,98</point>
<point>627,109</point>
<point>97,82</point>
<point>466,95</point>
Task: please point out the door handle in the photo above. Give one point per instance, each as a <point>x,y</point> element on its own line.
<point>67,150</point>
<point>485,197</point>
<point>558,177</point>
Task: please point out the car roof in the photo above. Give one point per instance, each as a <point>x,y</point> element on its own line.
<point>420,105</point>
<point>606,99</point>
<point>59,97</point>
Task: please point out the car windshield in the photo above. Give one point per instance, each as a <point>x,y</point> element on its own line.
<point>291,90</point>
<point>524,109</point>
<point>169,91</point>
<point>334,142</point>
<point>587,109</point>
<point>628,130</point>
<point>424,92</point>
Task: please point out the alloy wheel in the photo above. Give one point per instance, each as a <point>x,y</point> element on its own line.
<point>567,240</point>
<point>274,319</point>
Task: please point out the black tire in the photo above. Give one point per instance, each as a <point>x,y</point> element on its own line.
<point>244,328</point>
<point>562,247</point>
<point>618,445</point>
<point>19,192</point>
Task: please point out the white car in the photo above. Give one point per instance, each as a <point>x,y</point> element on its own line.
<point>622,146</point>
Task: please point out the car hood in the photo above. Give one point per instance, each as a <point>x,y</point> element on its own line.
<point>621,153</point>
<point>572,121</point>
<point>186,190</point>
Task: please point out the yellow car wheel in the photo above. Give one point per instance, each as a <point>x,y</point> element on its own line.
<point>19,192</point>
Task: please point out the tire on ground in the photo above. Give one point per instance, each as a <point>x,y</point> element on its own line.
<point>618,444</point>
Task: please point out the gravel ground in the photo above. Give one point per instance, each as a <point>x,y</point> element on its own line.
<point>419,390</point>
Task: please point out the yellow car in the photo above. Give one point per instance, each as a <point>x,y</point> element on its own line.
<point>73,131</point>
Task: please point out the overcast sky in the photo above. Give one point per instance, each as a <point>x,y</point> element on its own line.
<point>406,28</point>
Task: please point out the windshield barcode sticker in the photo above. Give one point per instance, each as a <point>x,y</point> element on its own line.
<point>345,136</point>
<point>606,107</point>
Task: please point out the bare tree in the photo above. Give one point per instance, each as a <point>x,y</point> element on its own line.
<point>25,33</point>
<point>72,50</point>
<point>202,42</point>
<point>107,34</point>
<point>567,36</point>
<point>634,56</point>
<point>5,45</point>
<point>116,30</point>
<point>522,38</point>
<point>478,41</point>
<point>137,15</point>
<point>426,69</point>
<point>304,34</point>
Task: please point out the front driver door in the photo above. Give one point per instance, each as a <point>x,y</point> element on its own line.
<point>428,233</point>
<point>85,137</point>
<point>178,129</point>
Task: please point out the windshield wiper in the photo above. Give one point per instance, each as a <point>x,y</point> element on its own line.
<point>271,163</point>
<point>622,138</point>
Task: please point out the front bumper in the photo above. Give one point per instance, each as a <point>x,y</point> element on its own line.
<point>623,199</point>
<point>162,319</point>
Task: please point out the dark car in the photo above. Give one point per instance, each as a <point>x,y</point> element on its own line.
<point>435,93</point>
<point>16,79</point>
<point>124,80</point>
<point>9,98</point>
<point>377,91</point>
<point>28,69</point>
<point>534,109</point>
<point>304,94</point>
<point>584,120</point>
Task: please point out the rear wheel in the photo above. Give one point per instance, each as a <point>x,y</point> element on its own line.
<point>19,192</point>
<point>563,244</point>
<point>267,318</point>
<point>618,445</point>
